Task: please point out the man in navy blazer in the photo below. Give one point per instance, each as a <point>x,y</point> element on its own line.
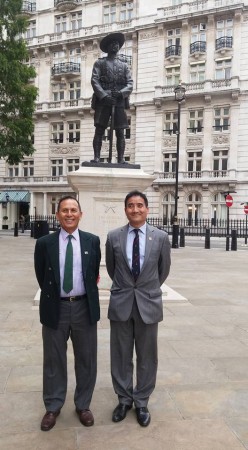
<point>135,306</point>
<point>66,314</point>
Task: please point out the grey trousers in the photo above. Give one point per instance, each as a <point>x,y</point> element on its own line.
<point>124,337</point>
<point>74,323</point>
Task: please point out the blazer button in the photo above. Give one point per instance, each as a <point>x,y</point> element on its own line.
<point>50,282</point>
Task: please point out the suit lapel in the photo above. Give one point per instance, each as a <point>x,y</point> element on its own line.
<point>85,242</point>
<point>149,243</point>
<point>53,250</point>
<point>123,243</point>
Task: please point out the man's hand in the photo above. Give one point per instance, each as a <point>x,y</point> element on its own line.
<point>110,100</point>
<point>116,94</point>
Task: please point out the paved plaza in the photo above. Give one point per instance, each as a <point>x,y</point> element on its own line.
<point>201,397</point>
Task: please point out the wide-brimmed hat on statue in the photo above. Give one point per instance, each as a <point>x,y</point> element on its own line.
<point>119,37</point>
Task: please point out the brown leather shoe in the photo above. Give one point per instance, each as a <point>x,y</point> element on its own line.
<point>49,420</point>
<point>85,417</point>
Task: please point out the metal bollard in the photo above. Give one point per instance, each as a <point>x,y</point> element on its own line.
<point>207,238</point>
<point>182,238</point>
<point>16,229</point>
<point>234,240</point>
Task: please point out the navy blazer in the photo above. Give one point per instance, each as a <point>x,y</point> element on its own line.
<point>46,262</point>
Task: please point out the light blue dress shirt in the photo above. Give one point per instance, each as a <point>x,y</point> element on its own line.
<point>142,244</point>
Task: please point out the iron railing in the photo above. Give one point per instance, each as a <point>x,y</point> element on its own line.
<point>198,46</point>
<point>218,227</point>
<point>173,50</point>
<point>65,67</point>
<point>224,42</point>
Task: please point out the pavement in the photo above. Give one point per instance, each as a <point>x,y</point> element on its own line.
<point>201,397</point>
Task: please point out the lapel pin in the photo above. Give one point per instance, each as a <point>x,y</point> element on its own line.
<point>86,253</point>
<point>150,238</point>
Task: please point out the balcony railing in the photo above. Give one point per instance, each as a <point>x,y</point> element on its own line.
<point>204,175</point>
<point>221,127</point>
<point>28,7</point>
<point>223,42</point>
<point>173,50</point>
<point>65,67</point>
<point>195,129</point>
<point>198,47</point>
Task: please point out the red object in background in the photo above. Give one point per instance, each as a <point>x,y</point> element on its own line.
<point>246,209</point>
<point>229,200</point>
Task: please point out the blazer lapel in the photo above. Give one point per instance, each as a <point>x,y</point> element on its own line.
<point>123,243</point>
<point>85,243</point>
<point>53,250</point>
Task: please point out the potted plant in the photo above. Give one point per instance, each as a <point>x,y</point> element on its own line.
<point>5,227</point>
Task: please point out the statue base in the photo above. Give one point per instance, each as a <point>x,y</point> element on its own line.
<point>101,164</point>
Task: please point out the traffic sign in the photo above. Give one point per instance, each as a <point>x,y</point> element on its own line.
<point>229,200</point>
<point>246,209</point>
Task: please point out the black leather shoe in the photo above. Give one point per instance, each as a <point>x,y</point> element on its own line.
<point>49,420</point>
<point>120,412</point>
<point>143,416</point>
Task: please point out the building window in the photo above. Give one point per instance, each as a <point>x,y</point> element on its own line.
<point>173,47</point>
<point>193,204</point>
<point>58,57</point>
<point>223,69</point>
<point>60,24</point>
<point>74,132</point>
<point>194,164</point>
<point>127,52</point>
<point>198,38</point>
<point>57,136</point>
<point>31,30</point>
<point>56,167</point>
<point>170,123</point>
<point>76,20</point>
<point>168,203</point>
<point>58,91</point>
<point>218,207</point>
<point>220,159</point>
<point>109,14</point>
<point>126,11</point>
<point>221,119</point>
<point>224,28</point>
<point>74,90</point>
<point>169,162</point>
<point>28,168</point>
<point>72,164</point>
<point>195,121</point>
<point>13,170</point>
<point>75,55</point>
<point>197,72</point>
<point>172,75</point>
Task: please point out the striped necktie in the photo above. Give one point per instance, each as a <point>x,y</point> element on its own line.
<point>136,255</point>
<point>68,273</point>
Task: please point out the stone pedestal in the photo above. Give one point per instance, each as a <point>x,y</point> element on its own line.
<point>102,189</point>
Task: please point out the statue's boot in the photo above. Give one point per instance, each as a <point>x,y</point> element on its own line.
<point>120,144</point>
<point>97,145</point>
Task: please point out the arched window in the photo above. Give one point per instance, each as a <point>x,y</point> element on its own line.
<point>168,203</point>
<point>193,205</point>
<point>218,208</point>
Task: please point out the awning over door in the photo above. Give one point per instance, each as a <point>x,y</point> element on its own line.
<point>14,196</point>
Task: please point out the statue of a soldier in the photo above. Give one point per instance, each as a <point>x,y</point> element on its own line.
<point>112,84</point>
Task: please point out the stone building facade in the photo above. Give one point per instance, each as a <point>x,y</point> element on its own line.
<point>201,44</point>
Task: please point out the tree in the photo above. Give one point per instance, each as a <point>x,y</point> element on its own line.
<point>17,95</point>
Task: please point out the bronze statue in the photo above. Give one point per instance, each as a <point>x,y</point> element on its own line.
<point>112,84</point>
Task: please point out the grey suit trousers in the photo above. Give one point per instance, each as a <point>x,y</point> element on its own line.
<point>74,323</point>
<point>123,338</point>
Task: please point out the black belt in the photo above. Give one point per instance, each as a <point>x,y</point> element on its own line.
<point>73,298</point>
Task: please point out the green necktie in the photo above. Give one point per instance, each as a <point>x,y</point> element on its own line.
<point>68,273</point>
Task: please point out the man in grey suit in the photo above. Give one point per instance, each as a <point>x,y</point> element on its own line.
<point>138,262</point>
<point>67,270</point>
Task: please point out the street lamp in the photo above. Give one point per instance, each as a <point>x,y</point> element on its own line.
<point>179,97</point>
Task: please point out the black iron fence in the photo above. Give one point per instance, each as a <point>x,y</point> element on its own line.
<point>198,227</point>
<point>53,223</point>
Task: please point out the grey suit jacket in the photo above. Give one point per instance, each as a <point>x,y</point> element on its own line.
<point>146,289</point>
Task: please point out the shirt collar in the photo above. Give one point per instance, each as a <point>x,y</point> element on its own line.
<point>64,234</point>
<point>142,229</point>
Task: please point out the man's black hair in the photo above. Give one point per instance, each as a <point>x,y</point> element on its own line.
<point>136,194</point>
<point>68,197</point>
